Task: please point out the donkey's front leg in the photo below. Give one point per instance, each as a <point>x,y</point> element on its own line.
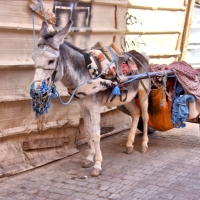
<point>98,155</point>
<point>91,152</point>
<point>91,118</point>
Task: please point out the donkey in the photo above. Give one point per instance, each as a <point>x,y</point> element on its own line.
<point>54,52</point>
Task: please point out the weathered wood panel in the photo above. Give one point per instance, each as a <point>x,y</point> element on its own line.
<point>14,160</point>
<point>16,82</point>
<point>21,48</point>
<point>16,45</point>
<point>18,12</point>
<point>44,143</point>
<point>138,22</point>
<point>150,21</point>
<point>161,4</point>
<point>146,4</point>
<point>17,117</point>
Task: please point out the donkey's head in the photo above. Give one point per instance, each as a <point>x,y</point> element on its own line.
<point>47,55</point>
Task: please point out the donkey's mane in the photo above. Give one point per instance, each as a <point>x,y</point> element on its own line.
<point>74,47</point>
<point>138,56</point>
<point>86,55</point>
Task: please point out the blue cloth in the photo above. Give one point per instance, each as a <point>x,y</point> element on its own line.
<point>177,90</point>
<point>180,110</point>
<point>41,98</point>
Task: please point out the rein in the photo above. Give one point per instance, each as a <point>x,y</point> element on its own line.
<point>73,93</point>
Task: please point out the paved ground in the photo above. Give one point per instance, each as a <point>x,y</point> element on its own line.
<point>169,170</point>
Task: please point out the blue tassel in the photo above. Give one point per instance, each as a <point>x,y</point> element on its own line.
<point>116,91</point>
<point>38,105</point>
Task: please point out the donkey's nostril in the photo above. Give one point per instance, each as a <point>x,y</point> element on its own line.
<point>51,62</point>
<point>45,94</point>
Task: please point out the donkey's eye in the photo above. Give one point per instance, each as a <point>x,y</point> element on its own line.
<point>51,62</point>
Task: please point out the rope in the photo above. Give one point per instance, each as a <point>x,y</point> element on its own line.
<point>137,76</point>
<point>72,95</point>
<point>164,88</point>
<point>116,90</point>
<point>33,21</point>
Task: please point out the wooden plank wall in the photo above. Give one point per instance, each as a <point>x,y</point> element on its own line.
<point>154,27</point>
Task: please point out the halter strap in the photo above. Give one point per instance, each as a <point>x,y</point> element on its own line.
<point>53,75</point>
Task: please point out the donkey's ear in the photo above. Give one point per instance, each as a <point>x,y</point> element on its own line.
<point>60,36</point>
<point>44,29</point>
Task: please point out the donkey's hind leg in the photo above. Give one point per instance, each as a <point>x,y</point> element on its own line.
<point>135,114</point>
<point>143,98</point>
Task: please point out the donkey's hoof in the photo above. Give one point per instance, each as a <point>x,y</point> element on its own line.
<point>129,150</point>
<point>96,172</point>
<point>87,164</point>
<point>144,149</point>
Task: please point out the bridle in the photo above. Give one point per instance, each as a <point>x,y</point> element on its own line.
<point>42,95</point>
<point>55,70</point>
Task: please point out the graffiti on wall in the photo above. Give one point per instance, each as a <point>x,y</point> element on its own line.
<point>130,19</point>
<point>129,44</point>
<point>138,42</point>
